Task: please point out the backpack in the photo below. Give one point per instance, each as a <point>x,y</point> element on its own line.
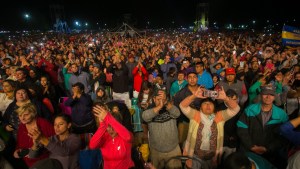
<point>88,158</point>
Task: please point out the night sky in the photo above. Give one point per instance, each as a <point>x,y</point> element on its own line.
<point>159,13</point>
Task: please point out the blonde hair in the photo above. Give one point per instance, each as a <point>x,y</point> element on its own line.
<point>31,108</point>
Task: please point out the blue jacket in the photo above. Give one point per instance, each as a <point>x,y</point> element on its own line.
<point>287,130</point>
<point>205,80</point>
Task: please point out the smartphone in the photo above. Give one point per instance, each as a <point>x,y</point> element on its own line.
<point>242,64</point>
<point>210,93</point>
<point>23,152</point>
<point>259,62</point>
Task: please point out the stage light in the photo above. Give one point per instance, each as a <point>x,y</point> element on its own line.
<point>27,16</point>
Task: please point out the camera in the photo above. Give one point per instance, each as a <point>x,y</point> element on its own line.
<point>210,93</point>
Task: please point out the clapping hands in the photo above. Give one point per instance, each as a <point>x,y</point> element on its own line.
<point>259,149</point>
<point>35,134</point>
<point>37,138</point>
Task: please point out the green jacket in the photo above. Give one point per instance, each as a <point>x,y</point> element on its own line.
<point>254,90</point>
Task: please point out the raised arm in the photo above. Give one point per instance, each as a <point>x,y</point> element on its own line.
<point>185,104</point>
<point>232,105</point>
<point>98,138</point>
<point>107,119</point>
<point>287,130</point>
<point>118,127</point>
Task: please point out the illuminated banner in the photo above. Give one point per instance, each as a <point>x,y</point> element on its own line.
<point>290,36</point>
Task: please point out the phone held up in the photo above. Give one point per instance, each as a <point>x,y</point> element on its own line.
<point>211,93</point>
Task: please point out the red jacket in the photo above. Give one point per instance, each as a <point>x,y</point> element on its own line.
<point>51,69</point>
<point>24,141</point>
<point>137,79</point>
<point>116,152</point>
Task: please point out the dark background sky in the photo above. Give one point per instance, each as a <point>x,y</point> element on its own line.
<point>160,13</point>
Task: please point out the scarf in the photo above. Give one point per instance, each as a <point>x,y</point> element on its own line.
<point>206,140</point>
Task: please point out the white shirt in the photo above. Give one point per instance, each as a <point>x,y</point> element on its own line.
<point>5,101</point>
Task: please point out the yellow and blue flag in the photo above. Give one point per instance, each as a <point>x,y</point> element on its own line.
<point>290,36</point>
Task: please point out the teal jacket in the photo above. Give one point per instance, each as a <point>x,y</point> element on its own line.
<point>66,78</point>
<point>176,87</point>
<point>252,132</point>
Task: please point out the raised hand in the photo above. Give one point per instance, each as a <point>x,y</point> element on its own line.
<point>199,92</point>
<point>9,128</point>
<point>160,101</point>
<point>222,95</point>
<point>100,112</point>
<point>35,134</point>
<point>258,149</point>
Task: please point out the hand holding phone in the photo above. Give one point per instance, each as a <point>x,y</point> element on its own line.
<point>23,152</point>
<point>242,64</point>
<point>210,93</point>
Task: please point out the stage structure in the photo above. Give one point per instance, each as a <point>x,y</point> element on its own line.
<point>128,31</point>
<point>58,18</point>
<point>201,22</point>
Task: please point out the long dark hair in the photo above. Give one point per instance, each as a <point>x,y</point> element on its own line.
<point>103,98</point>
<point>145,85</point>
<point>237,160</point>
<point>65,117</point>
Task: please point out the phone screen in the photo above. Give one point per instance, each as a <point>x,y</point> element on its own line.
<point>242,64</point>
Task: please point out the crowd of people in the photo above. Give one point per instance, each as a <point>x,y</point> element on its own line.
<point>223,99</point>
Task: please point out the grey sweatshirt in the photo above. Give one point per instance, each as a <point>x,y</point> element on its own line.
<point>163,133</point>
